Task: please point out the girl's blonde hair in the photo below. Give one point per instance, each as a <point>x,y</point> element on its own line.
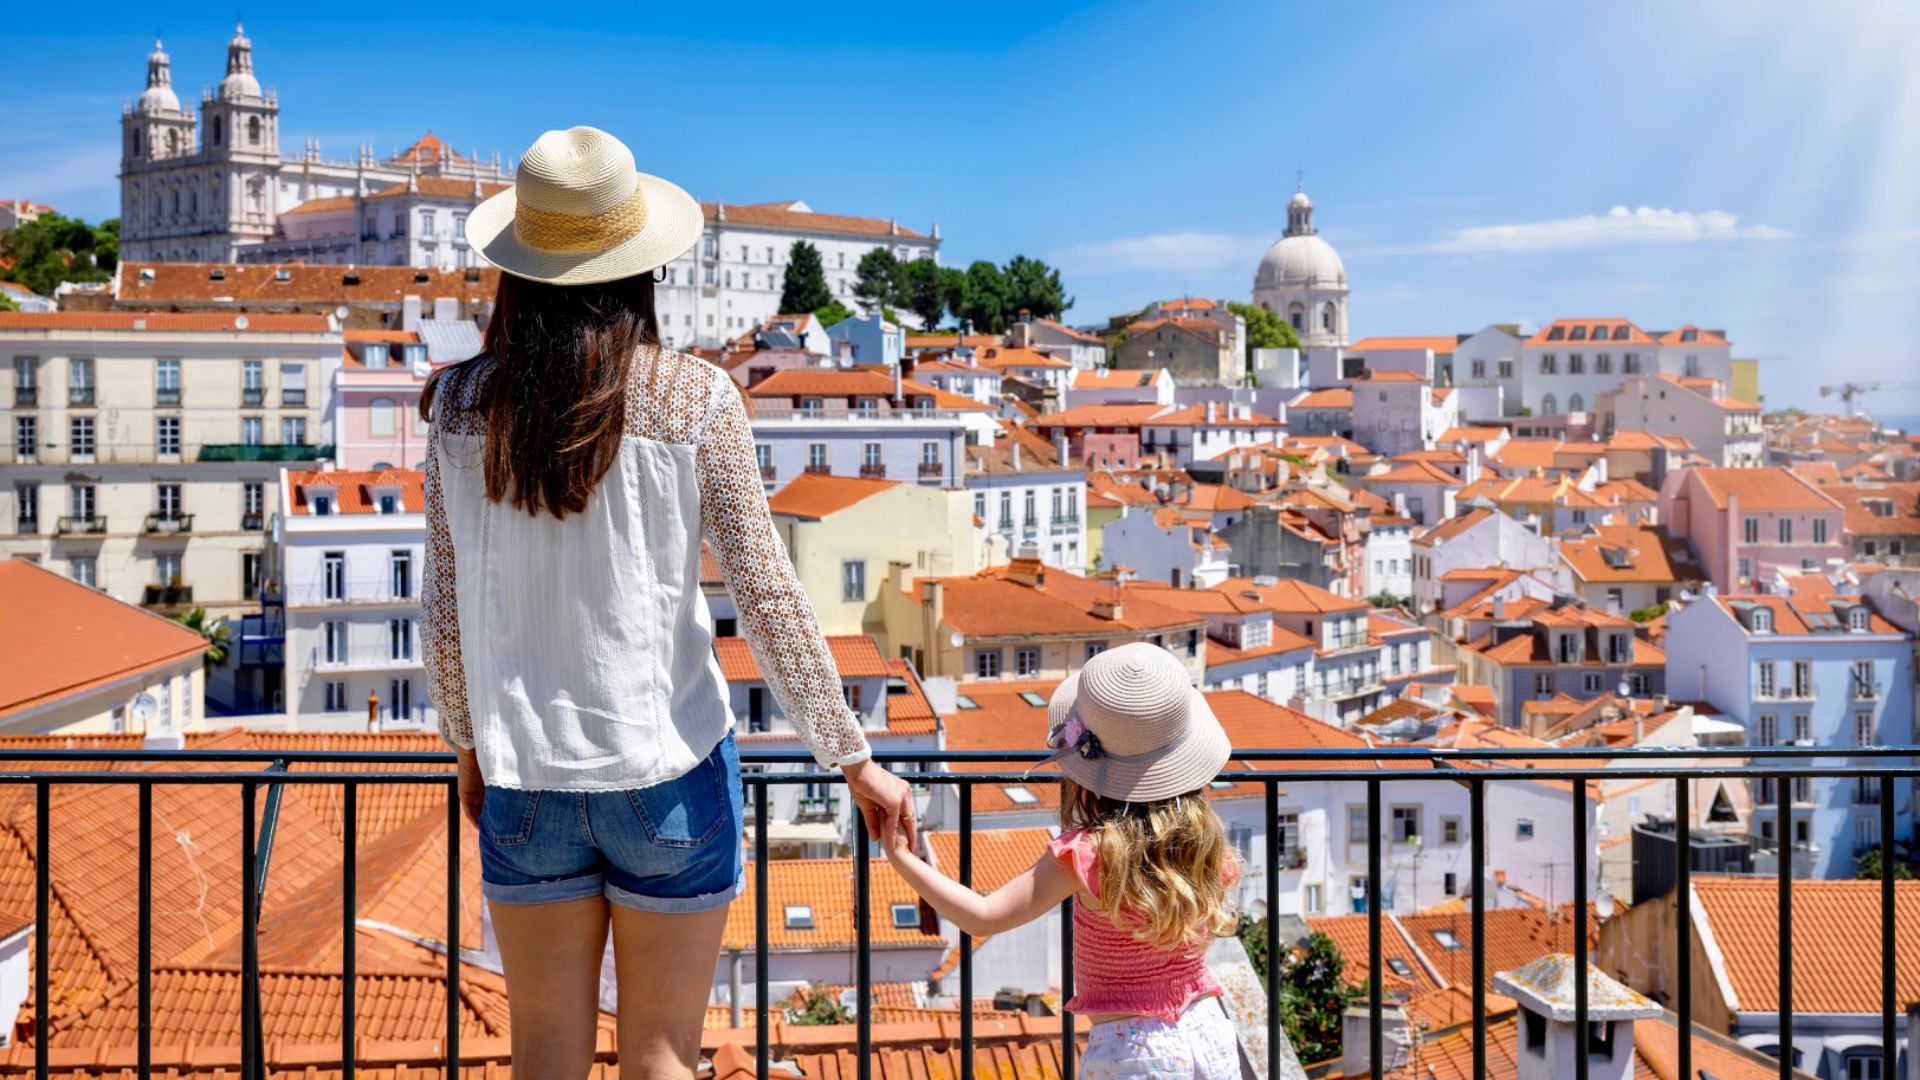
<point>1163,864</point>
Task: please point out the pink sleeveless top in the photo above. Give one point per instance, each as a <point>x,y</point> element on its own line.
<point>1112,972</point>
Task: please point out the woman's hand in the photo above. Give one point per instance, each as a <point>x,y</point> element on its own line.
<point>893,841</point>
<point>882,798</point>
<point>473,787</point>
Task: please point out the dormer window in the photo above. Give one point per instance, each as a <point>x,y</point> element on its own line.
<point>416,354</point>
<point>1857,619</point>
<point>321,501</point>
<point>283,276</point>
<point>1619,650</point>
<point>1762,620</point>
<point>218,273</point>
<point>374,354</point>
<point>386,500</point>
<point>799,916</point>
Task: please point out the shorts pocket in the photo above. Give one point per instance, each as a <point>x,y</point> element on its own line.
<point>687,811</point>
<point>507,815</point>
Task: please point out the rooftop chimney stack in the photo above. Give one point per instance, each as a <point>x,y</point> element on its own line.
<point>1356,1043</point>
<point>1549,1041</point>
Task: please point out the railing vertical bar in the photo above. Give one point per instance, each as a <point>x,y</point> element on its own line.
<point>1581,1033</point>
<point>966,939</point>
<point>762,1053</point>
<point>1683,922</point>
<point>1782,824</point>
<point>1477,813</point>
<point>144,1048</point>
<point>1377,1042</point>
<point>1273,928</point>
<point>1889,1049</point>
<point>453,929</point>
<point>863,937</point>
<point>349,920</point>
<point>1066,989</point>
<point>42,923</point>
<point>249,938</point>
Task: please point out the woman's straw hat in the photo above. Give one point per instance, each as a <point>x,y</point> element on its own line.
<point>579,212</point>
<point>1129,727</point>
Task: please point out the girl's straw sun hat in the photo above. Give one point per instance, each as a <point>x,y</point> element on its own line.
<point>580,212</point>
<point>1129,727</point>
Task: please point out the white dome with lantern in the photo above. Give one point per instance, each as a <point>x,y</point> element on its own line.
<point>1302,280</point>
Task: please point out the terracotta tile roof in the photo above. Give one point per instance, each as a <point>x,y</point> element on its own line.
<point>1114,379</point>
<point>1516,936</point>
<point>354,491</point>
<point>1701,337</point>
<point>1349,934</point>
<point>1526,453</point>
<point>1478,698</point>
<point>1617,332</point>
<point>990,604</point>
<point>825,886</point>
<point>1121,416</point>
<point>1532,649</point>
<point>59,638</point>
<point>1471,434</point>
<point>934,341</point>
<point>332,204</point>
<point>1339,397</point>
<point>1636,439</point>
<point>1416,472</point>
<point>174,283</point>
<point>1206,329</point>
<point>851,384</point>
<point>1879,509</point>
<point>909,712</point>
<point>1196,416</point>
<point>999,855</point>
<point>855,656</point>
<point>1446,1053</point>
<point>163,322</point>
<point>786,215</point>
<point>813,496</point>
<point>1790,613</point>
<point>1186,304</point>
<point>1440,343</point>
<point>1294,597</point>
<point>1767,488</point>
<point>430,149</point>
<point>1003,358</point>
<point>1638,553</point>
<point>1831,920</point>
<point>1454,526</point>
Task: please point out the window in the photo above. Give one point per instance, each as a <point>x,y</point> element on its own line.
<point>1576,364</point>
<point>1523,829</point>
<point>400,574</point>
<point>1030,507</point>
<point>1863,683</point>
<point>333,575</point>
<point>1863,728</point>
<point>166,500</point>
<point>1506,369</point>
<point>1762,620</point>
<point>1356,825</point>
<point>870,455</point>
<point>1405,824</point>
<point>986,663</point>
<point>1768,732</point>
<point>399,639</point>
<point>1449,885</point>
<point>250,431</point>
<point>1592,682</point>
<point>853,580</point>
<point>1479,369</point>
<point>851,691</point>
<point>26,437</point>
<point>1857,619</point>
<point>80,502</point>
<point>1095,648</point>
<point>929,453</point>
<point>1026,661</point>
<point>1803,678</point>
<point>26,508</point>
<point>253,498</point>
<point>1543,684</point>
<point>1311,901</point>
<point>1802,728</point>
<point>380,416</point>
<point>1819,530</point>
<point>906,916</point>
<point>817,455</point>
<point>80,435</point>
<point>333,641</point>
<point>250,564</point>
<point>79,381</point>
<point>293,384</point>
<point>253,130</point>
<point>1400,967</point>
<point>1751,530</point>
<point>1861,1066</point>
<point>980,505</point>
<point>1449,830</point>
<point>82,569</point>
<point>26,389</point>
<point>293,430</point>
<point>1786,530</point>
<point>335,695</point>
<point>166,382</point>
<point>799,916</point>
<point>426,223</point>
<point>166,435</point>
<point>1020,796</point>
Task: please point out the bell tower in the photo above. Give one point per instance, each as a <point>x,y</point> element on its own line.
<point>242,129</point>
<point>156,144</point>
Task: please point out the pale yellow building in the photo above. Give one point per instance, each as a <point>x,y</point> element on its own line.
<point>75,661</point>
<point>142,450</point>
<point>1743,380</point>
<point>845,532</point>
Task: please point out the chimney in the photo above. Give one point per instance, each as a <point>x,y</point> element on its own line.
<point>1499,607</point>
<point>1548,1040</point>
<point>897,403</point>
<point>1013,456</point>
<point>1356,1043</point>
<point>1109,607</point>
<point>446,308</point>
<point>1913,1041</point>
<point>1060,446</point>
<point>1473,463</point>
<point>1026,569</point>
<point>1213,411</point>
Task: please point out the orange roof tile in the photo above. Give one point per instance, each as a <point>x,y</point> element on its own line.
<point>990,604</point>
<point>813,496</point>
<point>354,491</point>
<point>178,283</point>
<point>163,322</point>
<point>1440,343</point>
<point>1003,357</point>
<point>1769,488</point>
<point>855,656</point>
<point>1638,553</point>
<point>1339,397</point>
<point>1616,331</point>
<point>786,215</point>
<point>999,855</point>
<point>59,638</point>
<point>1831,920</point>
<point>1294,597</point>
<point>825,887</point>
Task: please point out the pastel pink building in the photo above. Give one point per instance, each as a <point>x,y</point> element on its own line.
<point>1747,524</point>
<point>376,401</point>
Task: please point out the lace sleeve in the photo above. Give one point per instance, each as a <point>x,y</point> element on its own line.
<point>439,615</point>
<point>775,614</point>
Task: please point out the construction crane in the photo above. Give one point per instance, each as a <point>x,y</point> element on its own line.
<point>1848,391</point>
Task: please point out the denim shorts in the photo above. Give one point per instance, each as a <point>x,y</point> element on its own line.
<point>673,847</point>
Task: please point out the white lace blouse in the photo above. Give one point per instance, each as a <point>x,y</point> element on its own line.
<point>577,653</point>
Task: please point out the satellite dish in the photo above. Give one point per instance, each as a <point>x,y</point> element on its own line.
<point>1603,905</point>
<point>958,639</point>
<point>239,322</point>
<point>144,708</point>
<point>341,313</point>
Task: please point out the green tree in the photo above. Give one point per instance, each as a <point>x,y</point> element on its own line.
<point>7,304</point>
<point>924,290</point>
<point>804,287</point>
<point>1035,287</point>
<point>813,1006</point>
<point>983,302</point>
<point>1869,861</point>
<point>834,312</point>
<point>54,248</point>
<point>1313,990</point>
<point>877,277</point>
<point>1265,330</point>
<point>217,636</point>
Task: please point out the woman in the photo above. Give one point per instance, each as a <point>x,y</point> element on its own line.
<point>572,470</point>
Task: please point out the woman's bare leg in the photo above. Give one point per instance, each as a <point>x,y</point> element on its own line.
<point>664,965</point>
<point>551,954</point>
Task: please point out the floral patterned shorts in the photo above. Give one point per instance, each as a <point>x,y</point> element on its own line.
<point>1202,1045</point>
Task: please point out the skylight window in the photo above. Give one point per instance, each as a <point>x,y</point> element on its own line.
<point>1033,699</point>
<point>1620,333</point>
<point>1448,940</point>
<point>1020,796</point>
<point>1399,967</point>
<point>906,916</point>
<point>1579,334</point>
<point>965,702</point>
<point>799,916</point>
<point>1557,333</point>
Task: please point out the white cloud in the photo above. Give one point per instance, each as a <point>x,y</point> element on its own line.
<point>1161,251</point>
<point>1619,227</point>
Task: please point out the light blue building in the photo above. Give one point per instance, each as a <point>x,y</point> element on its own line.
<point>1814,666</point>
<point>867,340</point>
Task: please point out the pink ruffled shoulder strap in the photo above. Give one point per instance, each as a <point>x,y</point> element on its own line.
<point>1074,849</point>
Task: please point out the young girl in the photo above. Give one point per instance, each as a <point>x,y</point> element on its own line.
<point>1144,858</point>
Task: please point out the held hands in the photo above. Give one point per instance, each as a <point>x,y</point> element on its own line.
<point>885,800</point>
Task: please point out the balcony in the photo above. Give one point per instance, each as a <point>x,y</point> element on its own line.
<point>166,596</point>
<point>373,591</point>
<point>293,396</point>
<point>253,522</point>
<point>252,395</point>
<point>932,470</point>
<point>236,858</point>
<point>167,523</point>
<point>817,808</point>
<point>253,452</point>
<point>79,395</point>
<point>80,526</point>
<point>768,474</point>
<point>819,468</point>
<point>873,471</point>
<point>1066,521</point>
<point>362,658</point>
<point>167,395</point>
<point>26,396</point>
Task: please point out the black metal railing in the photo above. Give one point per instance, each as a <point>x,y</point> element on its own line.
<point>1473,768</point>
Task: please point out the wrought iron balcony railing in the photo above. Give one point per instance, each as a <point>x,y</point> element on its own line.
<point>166,595</point>
<point>264,452</point>
<point>93,525</point>
<point>252,770</point>
<point>168,522</point>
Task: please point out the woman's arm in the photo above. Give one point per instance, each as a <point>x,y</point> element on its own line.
<point>1038,890</point>
<point>439,613</point>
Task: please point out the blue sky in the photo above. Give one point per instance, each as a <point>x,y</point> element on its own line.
<point>1465,159</point>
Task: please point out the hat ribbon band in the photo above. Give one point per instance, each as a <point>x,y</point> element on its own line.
<point>551,231</point>
<point>1105,757</point>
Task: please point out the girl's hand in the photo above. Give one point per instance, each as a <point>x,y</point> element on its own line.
<point>893,839</point>
<point>473,787</point>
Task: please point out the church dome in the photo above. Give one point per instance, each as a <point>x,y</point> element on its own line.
<point>159,95</point>
<point>1300,261</point>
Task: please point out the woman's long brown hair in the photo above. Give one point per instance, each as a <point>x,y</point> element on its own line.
<point>554,400</point>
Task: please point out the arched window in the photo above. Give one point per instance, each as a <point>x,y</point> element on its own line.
<point>173,142</point>
<point>1297,315</point>
<point>193,203</point>
<point>1576,403</point>
<point>253,130</point>
<point>380,416</point>
<point>1326,317</point>
<point>219,129</point>
<point>176,200</point>
<point>1548,406</point>
<point>136,142</point>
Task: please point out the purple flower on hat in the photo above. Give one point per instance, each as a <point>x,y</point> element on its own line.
<point>1073,733</point>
